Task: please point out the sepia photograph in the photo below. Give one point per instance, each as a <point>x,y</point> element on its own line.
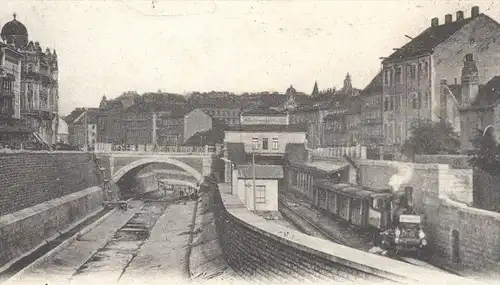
<point>249,142</point>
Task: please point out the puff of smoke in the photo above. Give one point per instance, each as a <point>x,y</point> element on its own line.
<point>403,175</point>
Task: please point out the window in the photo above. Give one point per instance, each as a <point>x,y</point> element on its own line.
<point>386,104</point>
<point>275,143</point>
<point>386,77</point>
<point>398,74</point>
<point>427,99</point>
<point>413,71</point>
<point>255,143</point>
<point>397,100</point>
<point>426,68</point>
<point>260,194</point>
<point>414,102</point>
<point>265,143</point>
<point>420,69</point>
<point>455,246</point>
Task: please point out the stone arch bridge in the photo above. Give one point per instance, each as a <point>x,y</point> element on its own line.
<point>118,166</point>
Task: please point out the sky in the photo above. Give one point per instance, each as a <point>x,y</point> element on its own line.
<point>108,47</point>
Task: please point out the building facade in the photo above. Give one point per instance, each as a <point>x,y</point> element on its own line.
<point>335,129</point>
<point>10,84</point>
<point>227,114</point>
<point>479,103</point>
<point>412,74</point>
<point>371,113</point>
<point>195,122</point>
<point>39,93</point>
<point>268,180</point>
<point>264,116</point>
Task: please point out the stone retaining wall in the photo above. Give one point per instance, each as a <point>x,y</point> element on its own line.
<point>31,178</point>
<point>27,229</point>
<point>257,248</point>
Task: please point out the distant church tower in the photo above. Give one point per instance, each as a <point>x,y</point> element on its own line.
<point>347,83</point>
<point>315,90</point>
<point>290,98</point>
<point>104,102</point>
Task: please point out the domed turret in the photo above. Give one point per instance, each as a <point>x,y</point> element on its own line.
<point>104,102</point>
<point>15,32</point>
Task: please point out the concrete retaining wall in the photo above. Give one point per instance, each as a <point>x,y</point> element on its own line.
<point>27,229</point>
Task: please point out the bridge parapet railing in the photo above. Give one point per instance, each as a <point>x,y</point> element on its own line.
<point>106,148</point>
<point>358,152</point>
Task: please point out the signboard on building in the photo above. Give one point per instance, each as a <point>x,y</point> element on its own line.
<point>413,219</point>
<point>374,218</point>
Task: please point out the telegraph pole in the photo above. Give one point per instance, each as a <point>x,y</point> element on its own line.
<point>86,132</point>
<point>253,176</point>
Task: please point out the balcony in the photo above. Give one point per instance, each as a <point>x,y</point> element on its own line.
<point>31,74</point>
<point>5,93</point>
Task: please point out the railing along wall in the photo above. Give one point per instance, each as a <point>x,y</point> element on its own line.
<point>107,147</point>
<point>358,152</point>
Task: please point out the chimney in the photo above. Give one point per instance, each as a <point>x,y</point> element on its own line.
<point>474,12</point>
<point>448,18</point>
<point>460,16</point>
<point>435,22</point>
<point>470,80</point>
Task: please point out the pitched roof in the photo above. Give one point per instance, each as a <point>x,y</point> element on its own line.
<point>354,106</point>
<point>375,86</point>
<point>73,115</point>
<point>426,41</point>
<point>323,166</point>
<point>262,110</point>
<point>488,93</point>
<point>456,89</point>
<point>268,128</point>
<point>236,152</point>
<point>261,171</point>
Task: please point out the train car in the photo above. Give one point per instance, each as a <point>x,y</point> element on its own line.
<point>357,205</point>
<point>389,213</point>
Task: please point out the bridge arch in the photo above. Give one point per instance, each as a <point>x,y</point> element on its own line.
<point>122,171</point>
<point>489,128</point>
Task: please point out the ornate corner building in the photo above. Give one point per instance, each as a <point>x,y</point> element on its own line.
<point>35,101</point>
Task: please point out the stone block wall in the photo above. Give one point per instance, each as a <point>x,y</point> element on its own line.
<point>31,178</point>
<point>260,249</point>
<point>478,230</point>
<point>468,238</point>
<point>455,161</point>
<point>30,228</point>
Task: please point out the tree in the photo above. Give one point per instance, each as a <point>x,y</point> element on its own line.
<point>486,154</point>
<point>431,138</point>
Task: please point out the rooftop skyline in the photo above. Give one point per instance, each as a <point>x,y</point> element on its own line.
<point>107,47</point>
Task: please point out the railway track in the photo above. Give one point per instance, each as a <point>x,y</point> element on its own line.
<point>290,214</point>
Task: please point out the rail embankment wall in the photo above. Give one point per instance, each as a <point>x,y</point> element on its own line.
<point>255,247</point>
<point>43,194</point>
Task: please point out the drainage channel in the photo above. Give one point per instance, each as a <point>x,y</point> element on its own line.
<point>120,251</point>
